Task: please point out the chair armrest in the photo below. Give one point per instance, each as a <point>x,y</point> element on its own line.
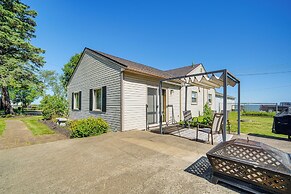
<point>202,125</point>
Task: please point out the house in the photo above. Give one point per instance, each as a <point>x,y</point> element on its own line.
<point>231,104</point>
<point>125,93</point>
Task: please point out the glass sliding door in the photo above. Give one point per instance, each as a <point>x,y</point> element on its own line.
<point>152,112</point>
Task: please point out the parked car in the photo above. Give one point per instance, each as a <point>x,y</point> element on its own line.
<point>282,123</point>
<point>273,108</point>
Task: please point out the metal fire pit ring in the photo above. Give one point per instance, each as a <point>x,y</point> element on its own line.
<point>251,165</point>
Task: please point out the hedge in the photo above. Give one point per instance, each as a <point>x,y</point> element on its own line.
<point>88,127</point>
<point>254,113</point>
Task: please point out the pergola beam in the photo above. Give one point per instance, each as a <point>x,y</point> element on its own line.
<point>226,78</point>
<point>198,74</point>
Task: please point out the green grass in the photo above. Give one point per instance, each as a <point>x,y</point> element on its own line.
<point>36,127</point>
<point>258,125</point>
<point>2,126</point>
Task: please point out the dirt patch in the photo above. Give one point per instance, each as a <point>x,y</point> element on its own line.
<point>17,134</point>
<point>55,127</point>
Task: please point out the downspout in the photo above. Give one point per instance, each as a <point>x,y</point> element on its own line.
<point>160,107</point>
<point>180,103</point>
<point>121,100</point>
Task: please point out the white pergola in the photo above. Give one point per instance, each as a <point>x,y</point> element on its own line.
<point>207,80</point>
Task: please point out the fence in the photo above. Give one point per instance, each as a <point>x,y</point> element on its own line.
<point>259,107</point>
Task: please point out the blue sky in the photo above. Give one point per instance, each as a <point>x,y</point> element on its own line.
<point>245,37</point>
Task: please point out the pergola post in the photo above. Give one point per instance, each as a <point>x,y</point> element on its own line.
<point>224,104</point>
<point>160,107</point>
<point>238,109</point>
<point>186,91</point>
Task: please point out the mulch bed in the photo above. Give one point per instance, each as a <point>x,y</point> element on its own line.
<point>54,126</point>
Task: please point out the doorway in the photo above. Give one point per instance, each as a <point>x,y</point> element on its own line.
<point>164,106</point>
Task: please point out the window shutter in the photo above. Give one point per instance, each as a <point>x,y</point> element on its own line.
<point>91,100</point>
<point>73,101</point>
<point>104,99</point>
<point>80,99</point>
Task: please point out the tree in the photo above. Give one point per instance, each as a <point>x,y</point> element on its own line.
<point>19,59</point>
<point>68,70</point>
<point>52,82</point>
<point>26,93</point>
<point>56,104</point>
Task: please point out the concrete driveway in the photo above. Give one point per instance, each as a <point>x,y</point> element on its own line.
<point>127,162</point>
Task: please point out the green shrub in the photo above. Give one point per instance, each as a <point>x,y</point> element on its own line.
<point>207,114</point>
<point>254,113</point>
<point>53,106</point>
<point>88,127</point>
<point>194,121</point>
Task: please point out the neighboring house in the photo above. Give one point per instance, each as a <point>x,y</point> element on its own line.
<point>125,93</point>
<point>219,102</point>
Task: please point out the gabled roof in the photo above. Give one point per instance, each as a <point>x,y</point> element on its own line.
<point>218,94</point>
<point>140,68</point>
<point>182,70</point>
<point>136,67</point>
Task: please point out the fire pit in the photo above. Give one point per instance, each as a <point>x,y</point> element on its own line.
<point>251,165</point>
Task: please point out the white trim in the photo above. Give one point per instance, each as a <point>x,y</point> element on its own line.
<point>194,103</point>
<point>94,100</point>
<point>76,102</point>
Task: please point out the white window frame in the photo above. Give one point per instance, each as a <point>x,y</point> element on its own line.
<point>94,106</point>
<point>195,98</point>
<point>209,98</point>
<point>76,101</point>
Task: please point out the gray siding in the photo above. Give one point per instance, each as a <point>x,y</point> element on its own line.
<point>95,72</point>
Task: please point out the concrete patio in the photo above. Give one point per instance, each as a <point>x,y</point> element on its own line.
<point>127,162</point>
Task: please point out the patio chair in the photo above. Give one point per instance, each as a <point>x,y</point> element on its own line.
<point>188,117</point>
<point>213,129</point>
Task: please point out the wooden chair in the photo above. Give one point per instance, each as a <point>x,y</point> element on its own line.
<point>211,130</point>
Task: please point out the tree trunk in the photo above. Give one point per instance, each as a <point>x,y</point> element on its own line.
<point>6,101</point>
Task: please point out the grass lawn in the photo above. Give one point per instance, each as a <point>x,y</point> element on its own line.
<point>2,126</point>
<point>258,125</point>
<point>35,126</point>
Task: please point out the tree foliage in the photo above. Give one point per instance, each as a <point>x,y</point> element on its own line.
<point>68,69</point>
<point>56,104</point>
<point>27,92</point>
<point>53,106</point>
<point>19,59</point>
<point>52,82</point>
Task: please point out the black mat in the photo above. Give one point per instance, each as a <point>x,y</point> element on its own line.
<point>201,168</point>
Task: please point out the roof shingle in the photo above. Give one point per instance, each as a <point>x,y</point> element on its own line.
<point>137,67</point>
<point>182,70</point>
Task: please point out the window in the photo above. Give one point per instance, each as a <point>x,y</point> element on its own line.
<point>194,97</point>
<point>209,98</point>
<point>97,99</point>
<point>76,100</point>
